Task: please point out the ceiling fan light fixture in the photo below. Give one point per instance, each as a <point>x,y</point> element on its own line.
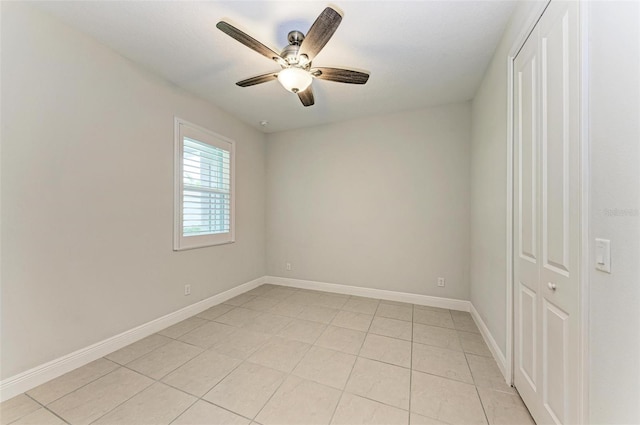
<point>295,79</point>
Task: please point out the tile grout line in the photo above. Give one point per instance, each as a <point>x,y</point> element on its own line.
<point>171,371</point>
<point>242,361</point>
<point>290,373</point>
<point>77,389</point>
<point>200,398</point>
<point>339,398</point>
<point>205,393</point>
<point>182,413</point>
<point>484,411</point>
<point>197,398</point>
<point>140,356</point>
<point>387,363</point>
<point>118,365</point>
<point>123,402</point>
<point>353,366</point>
<point>384,362</point>
<point>413,316</point>
<point>475,387</point>
<point>43,407</point>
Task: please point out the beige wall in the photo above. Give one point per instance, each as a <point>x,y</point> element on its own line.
<point>614,138</point>
<point>87,194</point>
<point>488,286</point>
<point>381,202</point>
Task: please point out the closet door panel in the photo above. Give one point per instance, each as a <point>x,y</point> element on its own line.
<point>555,358</point>
<point>555,137</point>
<point>560,213</point>
<point>527,147</point>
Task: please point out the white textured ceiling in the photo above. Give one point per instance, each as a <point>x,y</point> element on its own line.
<point>419,53</point>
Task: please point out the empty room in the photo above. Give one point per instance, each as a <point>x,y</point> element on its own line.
<point>286,212</point>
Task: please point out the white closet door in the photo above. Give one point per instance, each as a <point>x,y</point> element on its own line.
<point>547,217</point>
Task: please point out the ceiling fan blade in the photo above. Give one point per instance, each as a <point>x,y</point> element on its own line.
<point>340,75</point>
<point>247,40</point>
<point>306,97</point>
<point>258,79</point>
<point>320,32</point>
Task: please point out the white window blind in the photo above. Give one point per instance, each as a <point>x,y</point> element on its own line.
<point>204,187</point>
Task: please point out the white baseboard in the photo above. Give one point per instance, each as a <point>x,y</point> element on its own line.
<point>448,303</point>
<point>29,379</point>
<point>491,343</point>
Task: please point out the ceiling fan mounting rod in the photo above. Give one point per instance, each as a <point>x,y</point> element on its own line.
<point>295,37</point>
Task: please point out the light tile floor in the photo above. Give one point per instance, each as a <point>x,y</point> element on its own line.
<point>279,355</point>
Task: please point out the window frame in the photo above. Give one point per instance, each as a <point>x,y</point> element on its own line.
<point>182,129</point>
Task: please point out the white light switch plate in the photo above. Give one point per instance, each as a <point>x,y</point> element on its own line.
<point>603,255</point>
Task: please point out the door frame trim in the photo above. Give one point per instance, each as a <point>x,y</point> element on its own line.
<point>537,9</point>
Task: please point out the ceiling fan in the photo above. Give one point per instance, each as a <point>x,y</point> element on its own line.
<point>297,72</point>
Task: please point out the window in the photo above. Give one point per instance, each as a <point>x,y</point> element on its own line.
<point>204,182</point>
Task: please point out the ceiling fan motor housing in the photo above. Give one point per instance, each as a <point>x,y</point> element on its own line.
<point>291,55</point>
